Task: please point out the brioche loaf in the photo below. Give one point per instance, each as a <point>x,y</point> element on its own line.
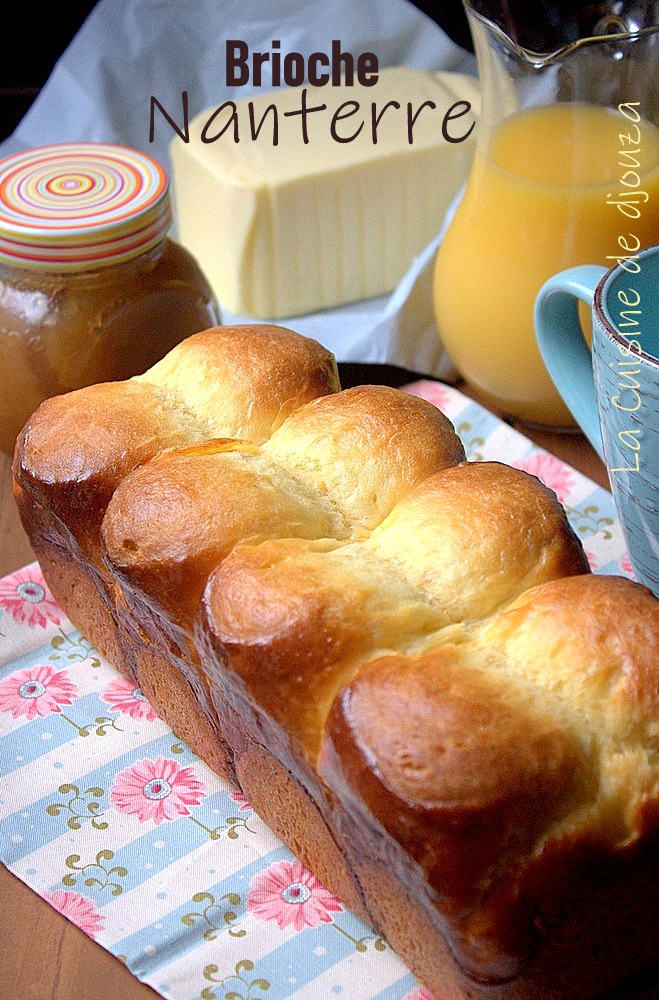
<point>399,656</point>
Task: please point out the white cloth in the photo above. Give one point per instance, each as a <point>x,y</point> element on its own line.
<point>130,50</point>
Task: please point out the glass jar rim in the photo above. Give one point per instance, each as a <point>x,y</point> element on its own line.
<point>68,206</point>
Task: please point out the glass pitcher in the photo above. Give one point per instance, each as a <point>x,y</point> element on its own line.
<point>566,172</point>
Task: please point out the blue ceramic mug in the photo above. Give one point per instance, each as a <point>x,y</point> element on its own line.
<point>613,392</point>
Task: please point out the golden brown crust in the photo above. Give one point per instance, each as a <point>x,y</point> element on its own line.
<point>243,381</point>
<point>465,776</point>
<point>365,449</point>
<point>307,604</point>
<point>224,382</point>
<point>600,643</point>
<point>324,598</point>
<point>321,608</point>
<point>500,758</point>
<point>475,535</point>
<point>177,517</point>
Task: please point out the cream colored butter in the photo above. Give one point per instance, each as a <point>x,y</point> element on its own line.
<point>282,230</point>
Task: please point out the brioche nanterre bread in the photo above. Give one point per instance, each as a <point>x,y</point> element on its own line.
<point>399,656</point>
<point>226,382</point>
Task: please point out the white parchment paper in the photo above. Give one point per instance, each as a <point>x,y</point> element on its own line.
<point>130,50</point>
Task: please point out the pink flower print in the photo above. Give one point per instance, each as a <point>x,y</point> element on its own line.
<point>420,993</point>
<point>290,894</point>
<point>626,567</point>
<point>241,800</point>
<point>156,789</point>
<point>26,597</point>
<point>593,559</point>
<point>434,392</point>
<point>78,909</point>
<point>549,470</point>
<point>36,691</point>
<point>122,696</point>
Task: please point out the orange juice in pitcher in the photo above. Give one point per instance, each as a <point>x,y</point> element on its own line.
<point>552,185</point>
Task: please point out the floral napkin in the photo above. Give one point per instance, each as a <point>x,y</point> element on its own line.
<point>115,823</point>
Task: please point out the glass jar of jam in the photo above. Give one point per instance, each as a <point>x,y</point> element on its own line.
<point>92,287</point>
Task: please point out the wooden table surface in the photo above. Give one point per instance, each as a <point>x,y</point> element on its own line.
<point>42,955</point>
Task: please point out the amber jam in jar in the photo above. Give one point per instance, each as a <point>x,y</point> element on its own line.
<point>92,288</point>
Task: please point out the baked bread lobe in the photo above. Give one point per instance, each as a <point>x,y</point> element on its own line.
<point>235,382</point>
<point>399,656</point>
<point>506,761</point>
<point>289,621</point>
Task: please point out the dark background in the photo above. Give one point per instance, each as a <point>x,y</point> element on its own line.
<point>29,49</point>
<point>35,41</point>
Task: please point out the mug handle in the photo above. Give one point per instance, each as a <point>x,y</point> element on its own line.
<point>563,347</point>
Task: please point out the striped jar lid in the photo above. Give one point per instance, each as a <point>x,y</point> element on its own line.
<point>74,206</point>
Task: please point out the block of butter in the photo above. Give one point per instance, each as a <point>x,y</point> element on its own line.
<point>303,199</point>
